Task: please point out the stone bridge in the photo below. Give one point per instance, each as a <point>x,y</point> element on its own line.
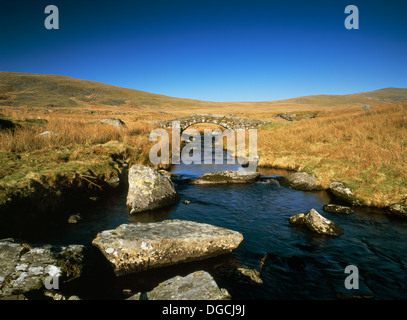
<point>228,122</point>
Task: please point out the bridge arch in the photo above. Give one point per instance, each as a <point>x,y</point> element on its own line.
<point>227,122</point>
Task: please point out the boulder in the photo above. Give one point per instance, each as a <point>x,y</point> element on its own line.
<point>317,223</point>
<point>337,209</point>
<point>339,190</point>
<point>226,177</point>
<point>115,122</point>
<point>149,190</point>
<point>366,107</point>
<point>25,267</point>
<point>138,247</point>
<point>300,181</point>
<point>398,209</point>
<point>198,285</point>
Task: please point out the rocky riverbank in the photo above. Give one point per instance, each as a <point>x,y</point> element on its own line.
<point>340,192</point>
<point>31,270</point>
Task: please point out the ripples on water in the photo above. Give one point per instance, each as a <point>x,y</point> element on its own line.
<point>298,265</point>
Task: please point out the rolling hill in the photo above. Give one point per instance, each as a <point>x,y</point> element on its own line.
<point>38,90</point>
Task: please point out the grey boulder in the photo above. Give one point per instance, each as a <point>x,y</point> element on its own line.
<point>149,190</point>
<point>300,181</point>
<point>138,247</point>
<point>342,192</point>
<point>316,223</point>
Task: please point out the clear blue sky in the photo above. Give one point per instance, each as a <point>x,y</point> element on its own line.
<point>218,50</point>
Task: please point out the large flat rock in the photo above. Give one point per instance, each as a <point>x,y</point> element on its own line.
<point>138,247</point>
<point>227,177</point>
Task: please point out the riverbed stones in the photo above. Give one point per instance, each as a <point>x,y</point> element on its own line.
<point>316,223</point>
<point>342,192</point>
<point>227,177</point>
<point>335,208</point>
<point>149,190</point>
<point>300,181</point>
<point>25,267</point>
<point>198,285</point>
<point>139,247</point>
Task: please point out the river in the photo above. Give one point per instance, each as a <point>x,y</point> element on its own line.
<point>296,264</point>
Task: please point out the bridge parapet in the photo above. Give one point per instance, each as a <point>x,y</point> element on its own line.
<point>228,122</point>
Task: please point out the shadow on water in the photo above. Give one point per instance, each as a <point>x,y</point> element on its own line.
<point>293,263</point>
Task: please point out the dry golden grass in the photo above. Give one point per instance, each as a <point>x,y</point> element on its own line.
<point>80,148</point>
<point>70,130</point>
<point>365,149</point>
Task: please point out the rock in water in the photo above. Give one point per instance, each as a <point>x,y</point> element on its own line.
<point>317,223</point>
<point>138,247</point>
<point>398,209</point>
<point>198,285</point>
<point>337,208</point>
<point>149,189</point>
<point>228,176</point>
<point>342,192</point>
<point>300,181</point>
<point>74,218</point>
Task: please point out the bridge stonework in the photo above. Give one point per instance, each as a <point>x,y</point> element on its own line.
<point>228,122</point>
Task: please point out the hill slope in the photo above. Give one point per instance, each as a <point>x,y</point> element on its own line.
<point>37,90</point>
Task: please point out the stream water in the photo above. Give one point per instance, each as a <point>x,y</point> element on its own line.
<point>296,264</point>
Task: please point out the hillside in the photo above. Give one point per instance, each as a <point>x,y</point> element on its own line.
<point>36,90</point>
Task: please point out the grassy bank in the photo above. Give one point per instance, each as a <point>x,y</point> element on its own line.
<point>367,150</point>
<point>79,157</point>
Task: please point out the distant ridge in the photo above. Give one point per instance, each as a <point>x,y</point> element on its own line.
<point>38,90</point>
